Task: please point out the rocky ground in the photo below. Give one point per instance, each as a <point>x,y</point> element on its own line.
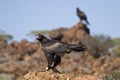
<point>49,75</point>
<point>25,60</point>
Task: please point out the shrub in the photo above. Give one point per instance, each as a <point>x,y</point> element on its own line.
<point>112,76</point>
<point>99,44</point>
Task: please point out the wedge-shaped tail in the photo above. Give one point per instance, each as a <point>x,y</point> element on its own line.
<point>76,47</point>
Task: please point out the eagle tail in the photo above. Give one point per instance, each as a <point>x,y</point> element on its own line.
<point>77,48</point>
<point>87,22</point>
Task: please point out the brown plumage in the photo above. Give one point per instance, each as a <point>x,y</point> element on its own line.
<point>81,15</point>
<point>55,49</point>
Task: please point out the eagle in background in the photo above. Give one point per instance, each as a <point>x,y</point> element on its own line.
<point>54,50</point>
<point>81,15</point>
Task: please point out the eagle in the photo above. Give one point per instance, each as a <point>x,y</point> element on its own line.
<point>53,50</point>
<point>81,15</point>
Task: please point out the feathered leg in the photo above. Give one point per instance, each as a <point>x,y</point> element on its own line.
<point>50,60</point>
<point>57,60</point>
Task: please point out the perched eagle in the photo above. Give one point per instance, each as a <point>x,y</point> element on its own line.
<point>53,50</point>
<point>81,15</point>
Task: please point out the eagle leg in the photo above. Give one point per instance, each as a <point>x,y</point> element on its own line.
<point>57,60</point>
<point>50,60</point>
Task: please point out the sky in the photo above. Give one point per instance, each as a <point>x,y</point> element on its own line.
<point>19,17</point>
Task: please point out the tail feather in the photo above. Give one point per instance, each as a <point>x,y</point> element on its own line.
<point>78,47</point>
<point>87,22</point>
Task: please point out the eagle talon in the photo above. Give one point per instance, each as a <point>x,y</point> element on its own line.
<point>53,69</point>
<point>47,68</point>
<point>56,71</point>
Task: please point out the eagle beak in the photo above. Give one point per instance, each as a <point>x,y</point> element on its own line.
<point>38,36</point>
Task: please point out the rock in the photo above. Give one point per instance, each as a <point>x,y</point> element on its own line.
<point>49,75</point>
<point>57,34</point>
<point>74,34</point>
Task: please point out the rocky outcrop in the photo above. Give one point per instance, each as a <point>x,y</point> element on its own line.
<point>18,58</point>
<point>49,75</point>
<point>72,35</point>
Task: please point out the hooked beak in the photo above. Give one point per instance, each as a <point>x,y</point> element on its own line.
<point>38,36</point>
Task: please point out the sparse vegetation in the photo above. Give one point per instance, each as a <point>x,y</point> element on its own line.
<point>99,45</point>
<point>112,76</point>
<point>116,48</point>
<point>5,37</point>
<point>34,32</point>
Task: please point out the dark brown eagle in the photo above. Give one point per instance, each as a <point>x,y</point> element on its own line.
<point>53,50</point>
<point>81,15</point>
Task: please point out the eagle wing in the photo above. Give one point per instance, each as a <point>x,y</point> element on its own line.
<point>56,47</point>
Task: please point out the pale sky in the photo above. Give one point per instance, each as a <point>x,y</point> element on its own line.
<point>19,17</point>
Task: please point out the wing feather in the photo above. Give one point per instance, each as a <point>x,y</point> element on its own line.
<point>56,47</point>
